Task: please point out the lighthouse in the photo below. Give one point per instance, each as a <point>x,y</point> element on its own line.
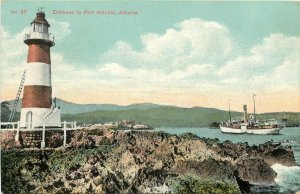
<point>38,107</point>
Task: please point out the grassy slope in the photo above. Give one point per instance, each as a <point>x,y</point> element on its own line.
<point>172,116</point>
<point>73,108</point>
<point>292,117</point>
<point>163,116</point>
<point>5,112</point>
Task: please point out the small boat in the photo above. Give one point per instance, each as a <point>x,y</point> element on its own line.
<point>251,125</point>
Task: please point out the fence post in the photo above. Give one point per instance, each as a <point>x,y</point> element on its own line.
<point>43,137</point>
<point>65,133</point>
<point>18,131</point>
<point>75,125</point>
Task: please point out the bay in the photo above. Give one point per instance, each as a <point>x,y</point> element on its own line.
<point>289,135</point>
<point>288,178</point>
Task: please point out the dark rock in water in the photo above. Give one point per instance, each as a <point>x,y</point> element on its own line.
<point>209,168</point>
<point>97,160</point>
<point>279,154</point>
<point>255,171</point>
<point>244,186</point>
<point>270,153</point>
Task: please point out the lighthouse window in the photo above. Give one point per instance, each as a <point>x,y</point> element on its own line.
<point>36,27</point>
<point>39,27</point>
<point>45,28</point>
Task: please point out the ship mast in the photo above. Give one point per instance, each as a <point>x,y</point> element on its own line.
<point>229,111</point>
<point>254,107</point>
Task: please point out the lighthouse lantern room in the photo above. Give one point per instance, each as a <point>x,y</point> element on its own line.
<point>38,107</point>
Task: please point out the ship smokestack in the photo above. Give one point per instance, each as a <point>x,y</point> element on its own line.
<point>245,113</point>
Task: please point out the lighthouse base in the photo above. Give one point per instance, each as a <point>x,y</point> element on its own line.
<point>37,117</point>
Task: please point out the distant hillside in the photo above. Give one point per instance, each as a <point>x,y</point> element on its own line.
<point>173,116</point>
<point>166,116</point>
<point>293,118</point>
<point>5,112</point>
<point>73,108</point>
<point>147,113</point>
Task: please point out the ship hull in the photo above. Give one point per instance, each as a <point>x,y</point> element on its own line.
<point>232,130</point>
<point>271,131</point>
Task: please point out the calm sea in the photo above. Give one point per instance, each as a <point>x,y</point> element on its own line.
<point>288,178</point>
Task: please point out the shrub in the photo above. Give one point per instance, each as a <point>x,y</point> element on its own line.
<point>190,184</point>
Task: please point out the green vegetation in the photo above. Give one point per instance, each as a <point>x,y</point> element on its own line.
<point>189,136</point>
<point>291,117</point>
<point>73,158</point>
<point>22,167</point>
<point>214,125</point>
<point>152,115</point>
<point>14,164</point>
<point>173,116</point>
<point>5,112</point>
<point>156,117</point>
<point>190,184</point>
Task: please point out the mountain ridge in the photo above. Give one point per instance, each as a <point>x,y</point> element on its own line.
<point>75,108</point>
<point>147,113</point>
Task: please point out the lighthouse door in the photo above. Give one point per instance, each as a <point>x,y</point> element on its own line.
<point>29,120</point>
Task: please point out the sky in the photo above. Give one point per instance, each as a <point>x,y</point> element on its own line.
<point>183,53</point>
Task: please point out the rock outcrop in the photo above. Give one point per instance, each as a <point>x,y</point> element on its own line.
<point>270,152</point>
<point>105,161</point>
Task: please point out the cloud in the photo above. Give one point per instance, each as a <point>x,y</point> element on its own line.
<point>14,54</point>
<point>13,59</point>
<point>201,56</point>
<point>14,47</point>
<point>272,63</point>
<point>118,72</point>
<point>15,50</point>
<point>193,41</point>
<point>60,29</point>
<point>193,58</point>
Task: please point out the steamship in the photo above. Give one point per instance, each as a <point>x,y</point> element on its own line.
<point>251,125</point>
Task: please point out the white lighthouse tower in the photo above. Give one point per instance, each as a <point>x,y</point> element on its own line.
<point>38,108</point>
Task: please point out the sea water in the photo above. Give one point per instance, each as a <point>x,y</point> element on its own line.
<point>288,178</point>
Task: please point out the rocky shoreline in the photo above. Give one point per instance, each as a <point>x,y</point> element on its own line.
<point>98,160</point>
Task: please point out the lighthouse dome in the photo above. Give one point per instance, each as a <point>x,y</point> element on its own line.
<point>40,18</point>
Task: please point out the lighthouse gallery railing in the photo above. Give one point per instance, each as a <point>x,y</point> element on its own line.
<point>39,35</point>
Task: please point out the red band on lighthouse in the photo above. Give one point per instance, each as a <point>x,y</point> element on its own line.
<point>39,53</point>
<point>37,96</point>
